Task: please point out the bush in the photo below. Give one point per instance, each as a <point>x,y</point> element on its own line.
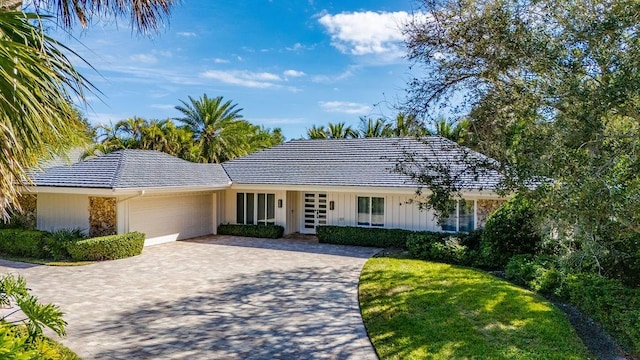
<point>56,243</point>
<point>259,231</point>
<point>610,303</point>
<point>359,236</point>
<point>510,231</point>
<point>441,247</point>
<point>107,247</point>
<point>537,273</point>
<point>26,243</point>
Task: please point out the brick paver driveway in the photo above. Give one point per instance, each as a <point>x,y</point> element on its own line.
<point>213,298</point>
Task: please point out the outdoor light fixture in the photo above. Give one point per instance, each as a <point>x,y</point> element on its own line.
<point>279,203</point>
<point>331,205</point>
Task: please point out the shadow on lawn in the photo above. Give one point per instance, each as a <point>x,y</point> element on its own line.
<point>310,313</point>
<point>455,312</point>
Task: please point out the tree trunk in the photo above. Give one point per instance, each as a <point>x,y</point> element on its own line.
<point>11,5</point>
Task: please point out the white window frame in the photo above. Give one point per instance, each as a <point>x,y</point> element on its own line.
<point>457,215</point>
<point>256,221</point>
<point>384,211</point>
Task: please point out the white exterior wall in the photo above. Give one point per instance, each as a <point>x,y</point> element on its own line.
<point>62,211</point>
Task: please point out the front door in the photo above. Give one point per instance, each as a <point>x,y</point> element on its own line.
<point>315,212</point>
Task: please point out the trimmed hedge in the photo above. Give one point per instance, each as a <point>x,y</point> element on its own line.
<point>107,247</point>
<point>351,235</point>
<point>258,231</point>
<point>26,243</point>
<point>458,249</point>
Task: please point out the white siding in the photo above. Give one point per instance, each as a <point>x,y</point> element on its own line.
<point>170,218</point>
<point>62,211</point>
<point>230,205</point>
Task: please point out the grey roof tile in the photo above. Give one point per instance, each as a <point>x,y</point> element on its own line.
<point>355,162</point>
<point>132,169</point>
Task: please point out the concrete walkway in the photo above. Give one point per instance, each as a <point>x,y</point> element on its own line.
<point>213,298</point>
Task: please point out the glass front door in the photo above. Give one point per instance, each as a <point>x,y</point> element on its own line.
<point>315,212</point>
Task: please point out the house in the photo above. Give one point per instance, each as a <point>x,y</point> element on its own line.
<point>299,185</point>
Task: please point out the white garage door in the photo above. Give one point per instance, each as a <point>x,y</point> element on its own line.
<point>170,218</point>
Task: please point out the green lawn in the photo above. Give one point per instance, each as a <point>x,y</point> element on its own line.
<point>422,310</point>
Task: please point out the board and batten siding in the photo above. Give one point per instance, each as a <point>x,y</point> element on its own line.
<point>398,211</point>
<point>230,205</point>
<point>62,211</point>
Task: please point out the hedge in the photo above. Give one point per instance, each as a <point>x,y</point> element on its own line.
<point>258,231</point>
<point>107,247</point>
<point>375,237</point>
<point>26,243</point>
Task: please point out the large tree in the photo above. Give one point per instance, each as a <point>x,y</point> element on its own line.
<point>39,82</point>
<point>552,91</point>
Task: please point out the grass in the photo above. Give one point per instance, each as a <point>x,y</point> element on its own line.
<point>47,262</point>
<point>415,309</point>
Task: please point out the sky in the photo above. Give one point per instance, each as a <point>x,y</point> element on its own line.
<point>290,64</point>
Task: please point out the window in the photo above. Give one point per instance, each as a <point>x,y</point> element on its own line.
<point>370,211</point>
<point>462,218</point>
<point>255,208</point>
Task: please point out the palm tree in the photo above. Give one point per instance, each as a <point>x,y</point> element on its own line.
<point>340,131</point>
<point>317,132</point>
<point>378,128</point>
<point>217,127</point>
<point>454,131</point>
<point>408,125</point>
<point>37,80</point>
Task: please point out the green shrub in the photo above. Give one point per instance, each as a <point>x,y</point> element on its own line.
<point>57,242</point>
<point>510,231</point>
<point>26,243</point>
<point>359,236</point>
<point>610,303</point>
<point>538,273</point>
<point>259,231</point>
<point>107,247</point>
<point>441,247</point>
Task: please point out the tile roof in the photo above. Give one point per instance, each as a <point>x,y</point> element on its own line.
<point>356,162</point>
<point>132,169</point>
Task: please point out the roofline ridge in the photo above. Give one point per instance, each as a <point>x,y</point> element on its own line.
<point>119,167</point>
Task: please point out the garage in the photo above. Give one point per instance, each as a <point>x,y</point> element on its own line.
<point>172,217</point>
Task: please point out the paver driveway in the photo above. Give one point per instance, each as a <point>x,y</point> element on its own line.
<point>213,298</point>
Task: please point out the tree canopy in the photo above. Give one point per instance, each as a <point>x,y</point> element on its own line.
<point>552,91</point>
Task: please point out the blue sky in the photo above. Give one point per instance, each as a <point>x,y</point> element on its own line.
<point>287,63</point>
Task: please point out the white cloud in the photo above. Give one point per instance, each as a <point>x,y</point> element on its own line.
<point>143,58</point>
<point>345,107</point>
<point>299,47</point>
<point>364,33</point>
<point>293,73</point>
<point>163,106</point>
<point>220,61</point>
<point>187,34</point>
<point>327,79</point>
<point>244,78</point>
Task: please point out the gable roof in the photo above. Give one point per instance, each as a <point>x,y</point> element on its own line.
<point>355,162</point>
<point>132,169</point>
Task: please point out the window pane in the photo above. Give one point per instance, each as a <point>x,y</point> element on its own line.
<point>377,211</point>
<point>240,208</point>
<point>262,209</point>
<point>364,210</point>
<point>250,208</point>
<point>271,208</point>
<point>466,215</point>
<point>451,222</point>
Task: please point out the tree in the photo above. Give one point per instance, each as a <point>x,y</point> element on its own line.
<point>317,132</point>
<point>551,90</point>
<point>37,120</point>
<point>340,131</point>
<point>408,125</point>
<point>374,128</point>
<point>220,131</point>
<point>454,131</point>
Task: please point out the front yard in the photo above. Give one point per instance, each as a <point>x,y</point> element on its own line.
<point>416,309</point>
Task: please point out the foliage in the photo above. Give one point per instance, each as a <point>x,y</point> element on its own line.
<point>107,247</point>
<point>420,310</point>
<point>359,236</point>
<point>610,303</point>
<point>39,316</point>
<point>56,243</point>
<point>538,273</point>
<point>551,92</point>
<point>258,231</point>
<point>19,242</point>
<point>442,247</point>
<point>36,119</point>
<point>15,344</point>
<point>509,231</point>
